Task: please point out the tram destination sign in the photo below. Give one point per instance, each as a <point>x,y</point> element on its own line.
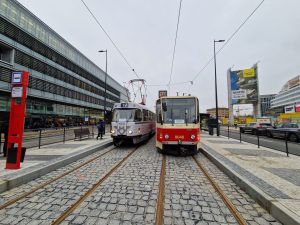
<point>162,93</point>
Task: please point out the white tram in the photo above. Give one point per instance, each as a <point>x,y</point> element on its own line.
<point>131,122</point>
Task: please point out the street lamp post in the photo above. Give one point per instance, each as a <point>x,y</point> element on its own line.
<point>105,82</point>
<point>216,88</point>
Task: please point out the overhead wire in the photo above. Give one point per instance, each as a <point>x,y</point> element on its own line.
<point>175,43</point>
<point>111,40</point>
<point>229,39</point>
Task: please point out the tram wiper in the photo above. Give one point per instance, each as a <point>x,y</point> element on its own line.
<point>172,116</point>
<point>185,113</point>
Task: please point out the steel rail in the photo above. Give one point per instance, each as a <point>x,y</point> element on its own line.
<point>63,216</point>
<point>12,201</point>
<point>223,196</point>
<point>161,195</point>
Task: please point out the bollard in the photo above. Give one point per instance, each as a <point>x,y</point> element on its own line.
<point>240,136</point>
<point>64,135</point>
<point>93,131</point>
<point>286,144</point>
<point>228,131</point>
<point>258,138</point>
<point>40,137</point>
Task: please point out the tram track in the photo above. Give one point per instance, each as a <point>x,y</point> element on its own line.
<point>65,214</point>
<point>223,196</point>
<point>24,195</point>
<point>161,195</point>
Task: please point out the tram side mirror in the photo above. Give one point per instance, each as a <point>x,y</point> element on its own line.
<point>164,107</point>
<point>160,118</point>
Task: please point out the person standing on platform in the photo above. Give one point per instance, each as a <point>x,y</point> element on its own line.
<point>101,127</point>
<point>4,130</point>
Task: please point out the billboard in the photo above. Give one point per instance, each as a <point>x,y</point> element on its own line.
<point>244,86</point>
<point>289,109</point>
<point>243,110</point>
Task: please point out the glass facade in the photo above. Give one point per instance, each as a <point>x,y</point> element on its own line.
<point>64,85</point>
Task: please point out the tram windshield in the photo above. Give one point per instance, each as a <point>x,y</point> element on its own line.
<point>127,115</point>
<point>179,111</point>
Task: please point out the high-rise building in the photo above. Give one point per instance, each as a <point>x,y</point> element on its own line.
<point>265,103</point>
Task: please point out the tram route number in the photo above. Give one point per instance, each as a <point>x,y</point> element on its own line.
<point>124,105</point>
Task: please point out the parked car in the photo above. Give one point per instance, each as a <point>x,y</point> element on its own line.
<point>292,130</point>
<point>256,128</point>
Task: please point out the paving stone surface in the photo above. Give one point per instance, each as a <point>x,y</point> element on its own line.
<point>266,187</point>
<point>58,196</point>
<point>129,195</point>
<point>252,152</point>
<point>291,175</point>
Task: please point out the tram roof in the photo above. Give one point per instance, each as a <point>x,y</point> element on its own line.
<point>177,97</point>
<point>123,105</point>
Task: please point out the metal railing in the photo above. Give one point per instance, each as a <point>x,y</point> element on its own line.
<point>44,136</point>
<point>260,139</point>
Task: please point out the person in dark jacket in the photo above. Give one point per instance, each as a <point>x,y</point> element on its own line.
<point>101,127</point>
<point>4,130</point>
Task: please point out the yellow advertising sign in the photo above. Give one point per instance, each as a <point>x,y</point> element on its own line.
<point>248,73</point>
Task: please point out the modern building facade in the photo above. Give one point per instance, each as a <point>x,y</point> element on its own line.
<point>223,113</point>
<point>289,94</point>
<point>64,85</point>
<point>265,103</point>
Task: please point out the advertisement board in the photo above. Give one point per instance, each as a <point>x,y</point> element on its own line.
<point>244,86</point>
<point>243,110</point>
<point>289,109</point>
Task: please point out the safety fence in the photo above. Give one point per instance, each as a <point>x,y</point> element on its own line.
<point>39,137</point>
<point>260,139</point>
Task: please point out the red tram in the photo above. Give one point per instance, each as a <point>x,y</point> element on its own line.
<point>178,124</point>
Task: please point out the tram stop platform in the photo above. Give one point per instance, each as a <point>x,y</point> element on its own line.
<point>39,162</point>
<point>267,175</point>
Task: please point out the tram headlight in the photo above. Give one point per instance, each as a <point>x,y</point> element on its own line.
<point>113,131</point>
<point>166,136</point>
<point>130,132</point>
<point>193,136</point>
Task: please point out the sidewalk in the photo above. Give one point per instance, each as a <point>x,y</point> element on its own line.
<point>41,161</point>
<point>269,176</point>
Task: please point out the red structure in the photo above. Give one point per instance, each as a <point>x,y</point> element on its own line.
<point>17,118</point>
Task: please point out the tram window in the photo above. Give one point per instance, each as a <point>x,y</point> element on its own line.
<point>138,115</point>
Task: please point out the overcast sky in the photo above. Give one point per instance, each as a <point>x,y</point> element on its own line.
<point>144,30</point>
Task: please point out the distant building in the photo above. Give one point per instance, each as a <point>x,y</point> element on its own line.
<point>265,103</point>
<point>289,95</point>
<point>223,113</point>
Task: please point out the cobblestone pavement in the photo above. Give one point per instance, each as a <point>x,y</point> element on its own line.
<point>252,212</point>
<point>129,195</point>
<point>4,197</point>
<point>48,203</point>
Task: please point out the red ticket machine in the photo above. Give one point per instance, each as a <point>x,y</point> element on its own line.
<point>17,118</point>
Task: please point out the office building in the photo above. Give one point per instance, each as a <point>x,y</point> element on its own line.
<point>64,85</point>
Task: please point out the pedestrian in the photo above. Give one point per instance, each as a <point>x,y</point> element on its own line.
<point>101,127</point>
<point>235,124</point>
<point>4,130</point>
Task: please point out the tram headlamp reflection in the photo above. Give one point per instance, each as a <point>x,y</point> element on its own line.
<point>193,137</point>
<point>166,136</point>
<point>130,132</point>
